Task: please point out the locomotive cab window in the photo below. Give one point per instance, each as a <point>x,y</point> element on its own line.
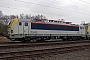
<point>87,32</point>
<point>20,23</point>
<point>26,24</point>
<point>10,23</point>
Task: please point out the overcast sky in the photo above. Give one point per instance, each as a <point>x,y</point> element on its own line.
<point>74,11</point>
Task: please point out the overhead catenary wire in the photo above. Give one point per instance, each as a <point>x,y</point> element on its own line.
<point>52,7</point>
<point>70,7</point>
<point>58,1</point>
<point>45,12</point>
<point>39,12</point>
<point>85,2</point>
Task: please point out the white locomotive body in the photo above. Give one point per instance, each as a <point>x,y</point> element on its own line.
<point>26,30</point>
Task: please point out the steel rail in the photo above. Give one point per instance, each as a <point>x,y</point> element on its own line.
<point>6,46</point>
<point>33,53</point>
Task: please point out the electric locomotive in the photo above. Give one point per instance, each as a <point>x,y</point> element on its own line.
<point>44,29</point>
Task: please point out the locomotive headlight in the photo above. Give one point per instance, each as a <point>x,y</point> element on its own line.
<point>11,31</point>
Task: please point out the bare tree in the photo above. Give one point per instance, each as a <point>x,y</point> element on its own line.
<point>27,16</point>
<point>12,16</point>
<point>22,16</point>
<point>1,14</point>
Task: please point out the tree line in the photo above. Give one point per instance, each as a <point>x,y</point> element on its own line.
<point>5,19</point>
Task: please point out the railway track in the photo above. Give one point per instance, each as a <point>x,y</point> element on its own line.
<point>15,51</point>
<point>19,44</point>
<point>34,53</point>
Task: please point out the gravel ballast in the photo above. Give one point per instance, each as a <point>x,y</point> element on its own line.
<point>76,55</point>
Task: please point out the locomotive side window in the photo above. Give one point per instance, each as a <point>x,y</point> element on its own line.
<point>20,23</point>
<point>26,24</point>
<point>80,27</point>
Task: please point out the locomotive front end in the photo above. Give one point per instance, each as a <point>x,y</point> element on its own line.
<point>11,29</point>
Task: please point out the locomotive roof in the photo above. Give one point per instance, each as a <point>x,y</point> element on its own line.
<point>23,20</point>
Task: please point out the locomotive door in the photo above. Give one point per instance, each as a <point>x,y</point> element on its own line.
<point>26,28</point>
<point>20,28</point>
